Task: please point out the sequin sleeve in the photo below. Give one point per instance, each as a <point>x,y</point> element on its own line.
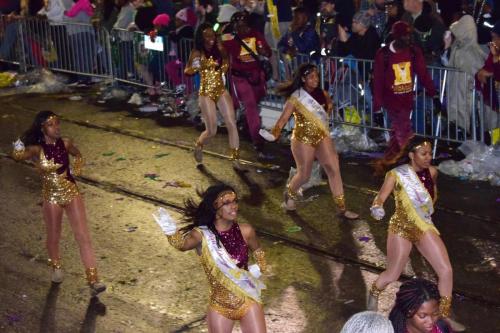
<point>260,257</point>
<point>77,165</point>
<point>176,240</point>
<point>18,154</point>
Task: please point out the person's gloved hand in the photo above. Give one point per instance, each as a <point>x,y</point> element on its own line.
<point>377,212</point>
<point>18,145</point>
<point>255,271</point>
<point>165,221</point>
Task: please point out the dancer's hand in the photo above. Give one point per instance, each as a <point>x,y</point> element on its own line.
<point>377,212</point>
<point>18,145</point>
<point>196,63</point>
<point>166,222</point>
<point>255,271</point>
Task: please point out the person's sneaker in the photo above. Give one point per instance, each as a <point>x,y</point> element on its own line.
<point>57,275</point>
<point>96,288</point>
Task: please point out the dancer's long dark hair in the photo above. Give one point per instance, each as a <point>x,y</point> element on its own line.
<point>204,213</point>
<point>199,42</point>
<point>286,89</point>
<point>411,295</point>
<point>382,165</point>
<point>34,135</point>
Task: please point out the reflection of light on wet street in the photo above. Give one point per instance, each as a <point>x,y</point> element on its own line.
<point>490,252</point>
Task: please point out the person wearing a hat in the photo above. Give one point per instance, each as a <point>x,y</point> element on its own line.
<point>364,40</point>
<point>248,84</point>
<point>394,74</point>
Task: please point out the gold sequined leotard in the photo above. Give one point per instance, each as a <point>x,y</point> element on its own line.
<point>404,222</point>
<point>222,300</point>
<point>308,128</point>
<point>58,185</point>
<point>211,72</point>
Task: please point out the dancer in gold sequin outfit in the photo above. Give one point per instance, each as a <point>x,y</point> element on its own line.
<point>223,246</point>
<point>60,194</point>
<point>209,59</point>
<point>310,106</point>
<point>413,183</point>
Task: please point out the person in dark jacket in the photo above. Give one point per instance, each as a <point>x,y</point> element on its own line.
<point>364,40</point>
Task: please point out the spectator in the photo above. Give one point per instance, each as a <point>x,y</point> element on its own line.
<point>428,34</point>
<point>489,80</point>
<point>345,10</point>
<point>248,85</point>
<point>367,322</point>
<point>191,18</point>
<point>395,11</point>
<point>467,56</point>
<point>378,15</point>
<point>394,70</point>
<point>207,11</point>
<point>327,27</point>
<point>277,26</point>
<point>417,308</point>
<point>183,30</point>
<point>224,18</point>
<point>363,42</point>
<point>300,38</point>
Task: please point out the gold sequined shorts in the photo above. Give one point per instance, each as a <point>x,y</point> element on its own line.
<point>60,195</point>
<point>229,305</point>
<point>402,226</point>
<point>213,94</point>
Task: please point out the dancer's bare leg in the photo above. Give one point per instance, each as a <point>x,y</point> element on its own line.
<point>217,323</point>
<point>208,112</point>
<point>253,321</point>
<point>226,108</point>
<point>52,216</point>
<point>78,221</point>
<point>398,253</point>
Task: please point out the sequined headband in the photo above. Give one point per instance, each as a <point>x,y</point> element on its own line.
<point>219,202</point>
<point>308,71</point>
<point>53,117</point>
<point>423,144</point>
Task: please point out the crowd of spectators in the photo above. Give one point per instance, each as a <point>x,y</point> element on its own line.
<point>453,34</point>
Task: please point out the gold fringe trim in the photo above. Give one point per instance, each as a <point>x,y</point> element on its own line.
<point>213,270</point>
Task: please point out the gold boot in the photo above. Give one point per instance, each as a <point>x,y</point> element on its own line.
<point>96,287</point>
<point>445,312</point>
<point>57,272</point>
<point>198,152</point>
<point>289,199</point>
<point>234,156</point>
<point>339,202</point>
<point>373,295</point>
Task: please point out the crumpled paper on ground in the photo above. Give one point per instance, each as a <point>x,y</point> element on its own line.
<point>351,138</point>
<point>480,163</point>
<point>37,81</point>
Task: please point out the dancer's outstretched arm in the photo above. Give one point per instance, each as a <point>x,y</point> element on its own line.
<point>377,208</point>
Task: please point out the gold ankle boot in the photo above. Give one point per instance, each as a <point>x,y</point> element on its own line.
<point>57,272</point>
<point>198,152</point>
<point>234,156</point>
<point>445,312</point>
<point>339,202</point>
<point>96,287</point>
<point>373,295</point>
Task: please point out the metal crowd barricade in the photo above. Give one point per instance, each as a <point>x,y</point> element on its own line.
<point>123,56</point>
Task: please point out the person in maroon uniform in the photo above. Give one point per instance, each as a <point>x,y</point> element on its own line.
<point>50,152</point>
<point>395,67</point>
<point>248,84</point>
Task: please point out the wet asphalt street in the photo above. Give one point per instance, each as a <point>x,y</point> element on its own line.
<point>320,265</point>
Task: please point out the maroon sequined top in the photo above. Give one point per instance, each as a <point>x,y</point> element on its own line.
<point>319,96</point>
<point>426,179</point>
<point>235,245</point>
<point>59,154</point>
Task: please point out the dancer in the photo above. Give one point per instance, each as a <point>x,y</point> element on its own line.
<point>310,106</point>
<point>414,186</point>
<point>222,245</point>
<point>60,194</point>
<point>210,60</point>
<point>416,309</point>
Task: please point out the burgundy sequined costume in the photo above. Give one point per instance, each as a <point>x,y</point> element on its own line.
<point>58,185</point>
<point>235,245</point>
<point>402,223</point>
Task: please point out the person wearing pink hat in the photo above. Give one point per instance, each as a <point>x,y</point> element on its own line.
<point>394,73</point>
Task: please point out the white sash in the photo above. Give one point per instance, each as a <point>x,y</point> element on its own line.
<point>416,191</point>
<point>311,105</point>
<point>245,281</point>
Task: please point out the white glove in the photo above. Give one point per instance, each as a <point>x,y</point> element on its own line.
<point>377,212</point>
<point>255,270</point>
<point>166,222</point>
<point>267,135</point>
<point>196,63</point>
<point>18,145</point>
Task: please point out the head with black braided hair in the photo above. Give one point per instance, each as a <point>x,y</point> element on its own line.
<point>416,309</point>
<point>217,202</point>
